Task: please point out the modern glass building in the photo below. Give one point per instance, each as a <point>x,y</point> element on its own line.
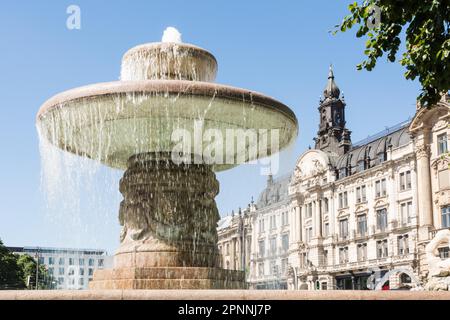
<point>70,269</point>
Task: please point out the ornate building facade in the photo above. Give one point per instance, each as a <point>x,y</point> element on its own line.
<point>354,216</point>
<point>235,238</point>
<point>363,213</point>
<point>270,245</point>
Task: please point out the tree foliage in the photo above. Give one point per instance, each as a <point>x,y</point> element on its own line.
<point>15,271</point>
<point>426,27</point>
<point>11,276</point>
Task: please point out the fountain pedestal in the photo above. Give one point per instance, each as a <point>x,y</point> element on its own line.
<point>169,238</point>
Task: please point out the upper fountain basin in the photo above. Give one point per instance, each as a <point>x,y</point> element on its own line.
<point>168,61</point>
<point>110,122</point>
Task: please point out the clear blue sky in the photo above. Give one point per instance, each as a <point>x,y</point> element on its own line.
<point>280,48</point>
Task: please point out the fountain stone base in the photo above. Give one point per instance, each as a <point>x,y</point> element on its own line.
<point>169,238</point>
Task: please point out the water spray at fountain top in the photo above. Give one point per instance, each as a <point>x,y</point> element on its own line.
<point>171,34</point>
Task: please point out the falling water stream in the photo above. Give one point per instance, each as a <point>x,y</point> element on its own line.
<point>164,87</point>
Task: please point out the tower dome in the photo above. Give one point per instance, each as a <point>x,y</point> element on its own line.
<point>331,90</point>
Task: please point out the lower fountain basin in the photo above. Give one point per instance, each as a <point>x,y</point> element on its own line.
<point>110,122</point>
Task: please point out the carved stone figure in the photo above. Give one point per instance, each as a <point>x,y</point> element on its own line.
<point>438,269</point>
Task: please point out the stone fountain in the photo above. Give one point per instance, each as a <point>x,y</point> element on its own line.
<point>168,214</point>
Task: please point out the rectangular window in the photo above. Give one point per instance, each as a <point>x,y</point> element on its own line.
<point>358,195</point>
<point>284,263</point>
<point>308,234</point>
<point>361,194</point>
<point>303,260</point>
<point>343,228</point>
<point>60,280</point>
<point>70,261</point>
<point>405,180</point>
<point>100,263</point>
<point>308,210</point>
<point>408,180</point>
<point>273,268</point>
<point>382,220</point>
<point>261,247</point>
<point>442,143</point>
<point>61,261</point>
<point>444,253</point>
<point>402,181</point>
<point>91,271</point>
<point>50,271</point>
<point>362,251</point>
<point>81,282</point>
<point>343,200</point>
<point>273,245</point>
<point>81,272</point>
<point>41,260</point>
<point>325,258</point>
<point>61,271</point>
<point>273,222</point>
<point>51,261</point>
<point>326,229</point>
<point>261,269</point>
<point>261,225</point>
<point>382,249</point>
<point>285,242</point>
<point>285,218</point>
<point>81,262</point>
<point>343,255</point>
<point>380,188</point>
<point>446,217</point>
<point>405,213</point>
<point>403,245</point>
<point>362,224</point>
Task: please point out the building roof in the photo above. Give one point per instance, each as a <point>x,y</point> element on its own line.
<point>370,148</point>
<point>57,250</point>
<point>275,191</point>
<point>225,222</point>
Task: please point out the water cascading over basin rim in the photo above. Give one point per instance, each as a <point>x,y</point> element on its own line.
<point>105,113</point>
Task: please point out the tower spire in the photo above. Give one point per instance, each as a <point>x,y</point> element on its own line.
<point>331,90</point>
<point>332,136</point>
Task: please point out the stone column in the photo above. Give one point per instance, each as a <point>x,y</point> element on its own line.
<point>169,237</point>
<point>318,219</point>
<point>298,211</point>
<point>425,206</point>
<point>303,214</point>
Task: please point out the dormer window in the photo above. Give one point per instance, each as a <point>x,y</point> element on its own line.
<point>361,165</point>
<point>342,173</point>
<point>381,157</point>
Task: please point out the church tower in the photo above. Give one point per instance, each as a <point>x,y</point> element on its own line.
<point>332,137</point>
